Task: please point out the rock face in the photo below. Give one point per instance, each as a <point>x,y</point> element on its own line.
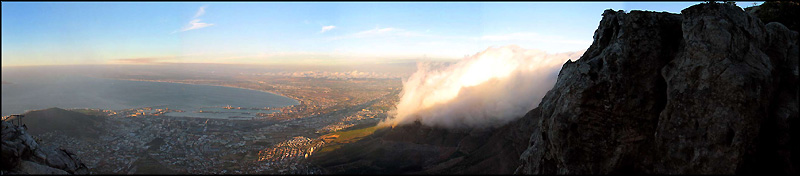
<point>784,12</point>
<point>23,155</point>
<point>709,91</point>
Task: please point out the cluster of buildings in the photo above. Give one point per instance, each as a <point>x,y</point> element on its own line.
<point>336,75</point>
<point>219,146</point>
<point>293,149</point>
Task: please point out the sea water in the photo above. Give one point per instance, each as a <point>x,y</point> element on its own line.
<point>32,93</point>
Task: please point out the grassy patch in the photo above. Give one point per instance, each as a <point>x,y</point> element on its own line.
<point>335,140</point>
<point>90,112</point>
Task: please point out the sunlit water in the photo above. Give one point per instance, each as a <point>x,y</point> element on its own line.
<point>97,93</point>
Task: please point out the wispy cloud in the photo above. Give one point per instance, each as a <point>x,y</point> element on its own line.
<point>378,31</point>
<point>167,59</point>
<point>200,11</point>
<point>195,23</point>
<point>326,28</point>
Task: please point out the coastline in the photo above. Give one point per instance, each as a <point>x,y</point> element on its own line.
<point>275,93</point>
<point>289,102</point>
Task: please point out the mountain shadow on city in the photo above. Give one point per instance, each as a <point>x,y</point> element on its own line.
<point>69,123</point>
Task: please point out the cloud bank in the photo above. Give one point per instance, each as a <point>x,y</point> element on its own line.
<point>488,89</point>
<point>144,60</point>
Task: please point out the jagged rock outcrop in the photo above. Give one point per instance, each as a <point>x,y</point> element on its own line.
<point>712,90</point>
<point>23,155</point>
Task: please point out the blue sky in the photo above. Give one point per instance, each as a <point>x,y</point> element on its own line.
<point>50,33</point>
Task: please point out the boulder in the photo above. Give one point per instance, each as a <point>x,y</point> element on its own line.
<point>23,155</point>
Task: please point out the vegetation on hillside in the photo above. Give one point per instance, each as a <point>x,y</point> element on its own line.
<point>335,140</point>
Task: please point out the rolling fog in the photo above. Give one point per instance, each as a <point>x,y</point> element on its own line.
<point>487,89</point>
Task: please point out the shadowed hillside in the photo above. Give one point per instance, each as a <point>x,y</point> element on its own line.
<point>712,90</point>
<point>58,120</point>
<point>22,154</point>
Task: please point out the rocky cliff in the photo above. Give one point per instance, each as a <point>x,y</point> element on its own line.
<point>23,155</point>
<point>712,90</point>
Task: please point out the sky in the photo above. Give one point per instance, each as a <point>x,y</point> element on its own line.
<point>87,33</point>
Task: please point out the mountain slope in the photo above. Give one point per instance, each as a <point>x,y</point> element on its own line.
<point>712,90</point>
<point>419,149</point>
<point>58,120</point>
<point>23,155</point>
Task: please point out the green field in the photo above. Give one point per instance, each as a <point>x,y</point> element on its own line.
<point>90,112</point>
<point>344,137</point>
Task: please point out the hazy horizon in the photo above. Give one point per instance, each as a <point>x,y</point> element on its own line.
<point>270,33</point>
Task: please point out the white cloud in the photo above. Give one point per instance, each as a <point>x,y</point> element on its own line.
<point>195,24</point>
<point>200,11</point>
<point>478,91</point>
<point>326,28</point>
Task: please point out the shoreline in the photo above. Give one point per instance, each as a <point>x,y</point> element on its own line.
<point>275,93</point>
<point>293,100</point>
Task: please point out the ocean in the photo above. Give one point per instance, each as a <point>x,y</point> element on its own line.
<point>40,92</point>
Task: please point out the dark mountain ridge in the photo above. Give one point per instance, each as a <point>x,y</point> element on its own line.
<point>71,123</point>
<point>22,154</point>
<point>712,90</point>
<point>420,149</point>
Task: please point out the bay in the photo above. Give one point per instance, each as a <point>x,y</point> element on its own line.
<point>32,93</point>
